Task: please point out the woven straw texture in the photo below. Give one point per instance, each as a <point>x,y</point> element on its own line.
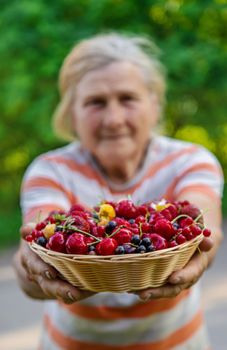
<point>119,273</point>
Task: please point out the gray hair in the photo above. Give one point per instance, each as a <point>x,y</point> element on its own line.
<point>97,52</point>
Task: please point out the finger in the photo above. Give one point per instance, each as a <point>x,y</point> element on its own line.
<point>59,289</point>
<point>192,271</point>
<point>26,229</point>
<point>206,244</point>
<point>166,291</point>
<point>34,265</point>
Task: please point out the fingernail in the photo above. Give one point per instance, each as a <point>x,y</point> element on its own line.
<point>148,297</point>
<point>176,280</point>
<point>48,275</point>
<point>69,295</point>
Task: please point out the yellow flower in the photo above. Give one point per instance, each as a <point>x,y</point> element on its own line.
<point>49,230</point>
<point>160,205</point>
<point>106,211</point>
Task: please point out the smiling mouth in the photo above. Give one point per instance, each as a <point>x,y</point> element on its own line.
<point>114,137</point>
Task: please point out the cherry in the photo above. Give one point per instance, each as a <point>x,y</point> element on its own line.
<point>206,232</point>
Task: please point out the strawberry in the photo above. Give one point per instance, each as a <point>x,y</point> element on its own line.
<point>106,247</point>
<point>76,244</point>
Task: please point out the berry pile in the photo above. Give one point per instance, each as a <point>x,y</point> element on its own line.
<point>120,228</point>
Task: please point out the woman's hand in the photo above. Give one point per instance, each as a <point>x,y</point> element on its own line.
<point>39,280</point>
<point>184,278</point>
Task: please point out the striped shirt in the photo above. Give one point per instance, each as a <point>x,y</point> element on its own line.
<point>110,321</point>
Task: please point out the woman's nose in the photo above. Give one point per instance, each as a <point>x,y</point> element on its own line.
<point>114,115</point>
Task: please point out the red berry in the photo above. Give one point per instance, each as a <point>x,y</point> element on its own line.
<point>126,209</point>
<point>158,241</point>
<point>141,210</point>
<point>140,219</point>
<point>57,242</point>
<point>123,236</point>
<point>76,244</point>
<point>172,244</point>
<point>145,227</point>
<point>80,223</point>
<point>196,230</point>
<point>185,222</point>
<point>29,238</point>
<point>180,239</point>
<point>106,247</point>
<point>164,228</point>
<point>206,232</point>
<point>40,225</point>
<point>76,207</point>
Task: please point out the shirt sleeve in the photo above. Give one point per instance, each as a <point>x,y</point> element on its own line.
<point>200,172</point>
<point>42,190</point>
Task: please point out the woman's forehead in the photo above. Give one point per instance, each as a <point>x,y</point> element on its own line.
<point>121,76</point>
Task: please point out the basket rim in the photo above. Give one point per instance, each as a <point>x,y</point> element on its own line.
<point>36,247</point>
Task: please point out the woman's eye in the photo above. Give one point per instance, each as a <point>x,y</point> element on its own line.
<point>96,102</point>
<point>127,98</point>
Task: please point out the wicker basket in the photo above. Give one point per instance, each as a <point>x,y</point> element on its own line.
<point>119,273</point>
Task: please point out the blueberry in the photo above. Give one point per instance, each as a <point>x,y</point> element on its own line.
<point>110,226</point>
<point>150,248</point>
<point>91,248</point>
<point>95,216</point>
<point>146,242</point>
<point>131,221</point>
<point>58,228</point>
<point>176,225</point>
<point>41,241</point>
<point>135,239</point>
<point>141,249</point>
<point>120,250</point>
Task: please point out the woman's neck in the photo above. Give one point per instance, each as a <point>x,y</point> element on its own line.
<point>122,172</point>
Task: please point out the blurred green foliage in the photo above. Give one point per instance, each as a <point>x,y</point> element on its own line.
<point>36,36</point>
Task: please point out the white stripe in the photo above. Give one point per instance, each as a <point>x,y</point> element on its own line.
<point>125,331</point>
<point>39,197</point>
<point>199,341</point>
<point>47,342</point>
<point>111,300</point>
<point>203,178</point>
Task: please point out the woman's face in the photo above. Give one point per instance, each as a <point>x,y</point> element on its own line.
<point>114,112</point>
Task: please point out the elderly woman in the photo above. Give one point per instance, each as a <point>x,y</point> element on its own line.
<point>112,92</point>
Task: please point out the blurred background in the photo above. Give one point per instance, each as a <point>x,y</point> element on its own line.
<point>36,36</point>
